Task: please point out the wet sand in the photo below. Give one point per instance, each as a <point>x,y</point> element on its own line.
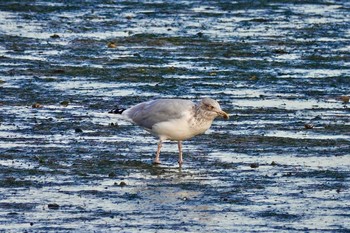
<point>280,164</point>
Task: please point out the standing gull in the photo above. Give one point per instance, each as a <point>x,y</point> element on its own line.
<point>173,119</point>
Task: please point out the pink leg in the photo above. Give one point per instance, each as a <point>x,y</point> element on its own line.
<point>156,160</point>
<point>179,144</point>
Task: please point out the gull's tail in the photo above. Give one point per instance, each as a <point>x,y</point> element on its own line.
<point>117,111</point>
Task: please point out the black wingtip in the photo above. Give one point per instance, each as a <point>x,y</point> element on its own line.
<point>117,111</point>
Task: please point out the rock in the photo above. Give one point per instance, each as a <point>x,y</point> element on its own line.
<point>273,163</point>
<point>78,130</point>
<point>13,213</point>
<point>114,124</point>
<point>112,45</point>
<point>308,126</point>
<point>58,71</point>
<point>54,36</point>
<point>37,105</point>
<point>280,51</point>
<point>122,184</point>
<point>53,206</point>
<point>345,99</point>
<point>254,165</point>
<point>253,78</point>
<point>65,103</point>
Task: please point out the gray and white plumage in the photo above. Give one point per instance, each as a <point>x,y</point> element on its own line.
<point>173,119</point>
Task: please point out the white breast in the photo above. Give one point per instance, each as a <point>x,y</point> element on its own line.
<point>179,129</point>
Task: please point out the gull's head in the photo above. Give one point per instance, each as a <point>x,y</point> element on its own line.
<point>212,108</point>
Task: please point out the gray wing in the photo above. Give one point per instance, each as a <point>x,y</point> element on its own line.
<point>149,113</point>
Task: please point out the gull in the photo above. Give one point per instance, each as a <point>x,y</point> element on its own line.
<point>173,119</point>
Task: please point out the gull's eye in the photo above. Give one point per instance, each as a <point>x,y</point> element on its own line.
<point>209,107</point>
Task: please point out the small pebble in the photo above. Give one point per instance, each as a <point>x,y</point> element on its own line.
<point>254,165</point>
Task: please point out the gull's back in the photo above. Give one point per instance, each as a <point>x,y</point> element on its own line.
<point>147,114</point>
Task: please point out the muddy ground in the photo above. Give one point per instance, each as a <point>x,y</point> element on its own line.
<point>279,68</point>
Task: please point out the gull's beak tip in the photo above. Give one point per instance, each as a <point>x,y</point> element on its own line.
<point>224,115</point>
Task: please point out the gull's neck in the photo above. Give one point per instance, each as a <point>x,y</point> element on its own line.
<point>201,115</point>
<point>201,120</point>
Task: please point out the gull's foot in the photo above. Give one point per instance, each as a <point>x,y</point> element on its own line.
<point>156,162</point>
<point>180,163</point>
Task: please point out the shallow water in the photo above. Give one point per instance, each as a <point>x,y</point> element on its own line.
<point>280,68</point>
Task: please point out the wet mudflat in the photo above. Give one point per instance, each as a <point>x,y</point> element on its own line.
<point>280,164</point>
